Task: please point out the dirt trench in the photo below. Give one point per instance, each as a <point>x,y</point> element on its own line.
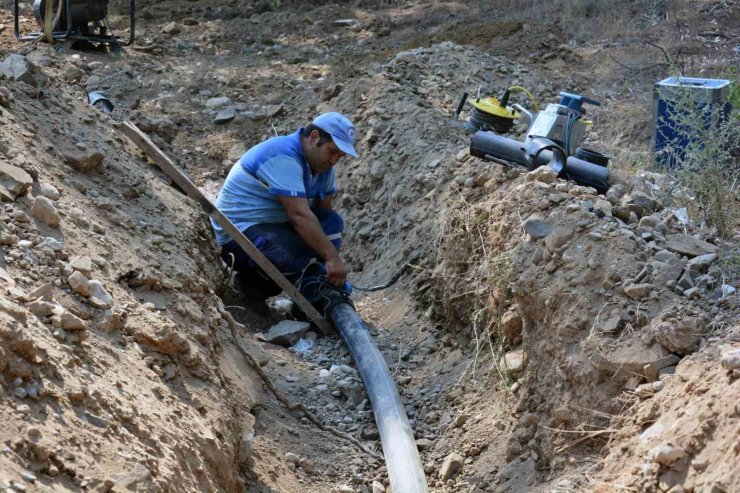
<point>521,355</point>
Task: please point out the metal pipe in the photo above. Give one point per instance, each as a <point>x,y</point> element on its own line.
<point>399,447</point>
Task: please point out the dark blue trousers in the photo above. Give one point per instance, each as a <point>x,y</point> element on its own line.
<point>285,248</point>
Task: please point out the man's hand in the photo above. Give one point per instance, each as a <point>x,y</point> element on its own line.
<point>308,227</point>
<point>336,271</point>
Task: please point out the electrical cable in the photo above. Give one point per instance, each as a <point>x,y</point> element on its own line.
<point>568,128</point>
<point>324,295</point>
<point>526,91</point>
<point>492,114</point>
<point>324,286</point>
<point>390,283</point>
<point>481,120</point>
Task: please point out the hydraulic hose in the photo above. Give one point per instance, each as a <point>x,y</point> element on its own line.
<point>399,447</point>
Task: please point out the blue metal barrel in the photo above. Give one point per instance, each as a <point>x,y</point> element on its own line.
<point>682,108</point>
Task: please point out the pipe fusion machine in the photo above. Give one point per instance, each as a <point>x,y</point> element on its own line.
<point>553,138</point>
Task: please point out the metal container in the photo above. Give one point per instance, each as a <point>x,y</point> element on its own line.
<point>677,101</point>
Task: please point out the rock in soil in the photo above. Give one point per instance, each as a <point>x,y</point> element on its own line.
<point>13,182</point>
<point>731,359</point>
<point>43,209</point>
<point>688,245</point>
<point>83,160</point>
<point>536,227</point>
<point>450,466</point>
<point>287,332</point>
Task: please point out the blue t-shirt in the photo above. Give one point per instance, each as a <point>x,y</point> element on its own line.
<point>274,167</point>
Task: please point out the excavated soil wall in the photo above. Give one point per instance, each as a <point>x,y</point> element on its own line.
<point>545,337</point>
<point>115,365</point>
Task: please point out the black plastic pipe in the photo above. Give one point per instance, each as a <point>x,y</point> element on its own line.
<point>486,145</point>
<point>399,447</point>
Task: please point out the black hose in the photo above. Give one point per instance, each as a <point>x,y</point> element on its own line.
<point>399,446</point>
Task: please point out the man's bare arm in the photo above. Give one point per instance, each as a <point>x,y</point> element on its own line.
<point>308,227</point>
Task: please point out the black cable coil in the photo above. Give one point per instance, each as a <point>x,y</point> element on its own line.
<point>480,120</point>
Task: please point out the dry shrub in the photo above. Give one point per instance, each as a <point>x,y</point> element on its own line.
<point>476,260</point>
<point>704,160</point>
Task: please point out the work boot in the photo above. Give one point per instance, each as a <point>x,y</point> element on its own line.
<point>257,305</point>
<point>297,314</point>
<point>251,296</point>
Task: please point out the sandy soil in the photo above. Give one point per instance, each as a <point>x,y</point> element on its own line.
<point>574,359</point>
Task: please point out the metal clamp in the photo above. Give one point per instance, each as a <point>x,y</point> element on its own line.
<point>534,147</point>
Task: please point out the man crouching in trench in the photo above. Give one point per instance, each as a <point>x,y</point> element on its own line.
<point>279,194</point>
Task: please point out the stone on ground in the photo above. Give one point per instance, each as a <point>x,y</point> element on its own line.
<point>83,160</point>
<point>291,458</point>
<point>6,279</point>
<point>225,116</point>
<point>559,237</point>
<point>72,322</point>
<point>307,465</point>
<point>512,325</point>
<point>378,487</point>
<point>536,227</point>
<point>41,308</point>
<point>666,454</point>
<point>513,361</point>
<point>81,264</point>
<point>451,465</point>
<point>80,284</point>
<point>689,245</point>
<point>171,28</point>
<point>638,291</point>
<point>14,182</point>
<point>652,369</point>
<point>44,292</point>
<point>543,174</point>
<point>668,271</point>
<point>701,263</point>
<point>17,67</point>
<point>218,102</point>
<point>680,335</point>
<point>287,332</point>
<point>49,191</point>
<point>424,443</point>
<point>43,209</point>
<point>99,297</point>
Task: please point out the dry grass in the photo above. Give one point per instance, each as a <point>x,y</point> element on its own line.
<point>478,275</point>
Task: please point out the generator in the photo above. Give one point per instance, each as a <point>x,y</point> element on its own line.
<point>75,20</point>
